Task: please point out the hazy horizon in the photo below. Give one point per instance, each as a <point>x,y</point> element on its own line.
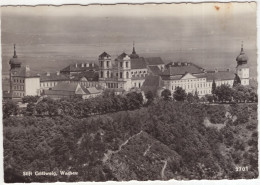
<point>209,34</point>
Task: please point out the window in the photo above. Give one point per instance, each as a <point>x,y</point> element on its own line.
<point>121,64</point>
<point>101,74</point>
<point>127,75</point>
<point>107,63</point>
<point>139,85</point>
<point>107,74</point>
<point>126,64</point>
<point>121,75</point>
<point>101,63</point>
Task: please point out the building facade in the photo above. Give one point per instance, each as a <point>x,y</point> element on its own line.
<point>23,82</point>
<point>124,73</point>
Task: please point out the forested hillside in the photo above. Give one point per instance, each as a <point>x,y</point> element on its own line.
<point>166,140</point>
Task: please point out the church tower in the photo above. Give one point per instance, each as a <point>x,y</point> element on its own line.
<point>124,71</point>
<point>242,69</point>
<point>105,68</point>
<point>15,65</point>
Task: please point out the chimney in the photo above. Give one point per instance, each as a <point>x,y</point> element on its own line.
<point>179,64</point>
<point>87,64</point>
<point>216,70</point>
<point>76,65</point>
<point>92,64</point>
<point>185,64</point>
<point>82,65</point>
<point>58,73</point>
<point>48,74</point>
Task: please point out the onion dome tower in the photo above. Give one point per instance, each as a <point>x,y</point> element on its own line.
<point>242,57</point>
<point>14,62</point>
<point>134,55</point>
<point>242,69</point>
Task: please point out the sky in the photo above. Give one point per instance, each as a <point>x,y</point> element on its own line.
<point>208,34</point>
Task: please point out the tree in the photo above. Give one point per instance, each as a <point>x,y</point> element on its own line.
<point>209,98</point>
<point>166,94</point>
<point>179,94</point>
<point>30,99</point>
<point>30,108</point>
<point>237,81</point>
<point>10,108</point>
<point>196,96</point>
<point>224,93</point>
<point>190,98</point>
<point>213,87</point>
<point>150,97</point>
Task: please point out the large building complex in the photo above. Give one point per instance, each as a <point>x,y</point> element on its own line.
<point>122,74</point>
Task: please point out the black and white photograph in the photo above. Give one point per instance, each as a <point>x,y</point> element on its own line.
<point>122,92</point>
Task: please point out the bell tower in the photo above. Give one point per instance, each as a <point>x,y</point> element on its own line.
<point>242,69</point>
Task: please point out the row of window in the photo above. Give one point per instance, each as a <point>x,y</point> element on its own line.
<point>18,80</point>
<point>112,85</point>
<point>48,84</point>
<point>139,75</point>
<point>110,75</point>
<point>18,87</point>
<point>139,84</point>
<point>191,86</point>
<point>126,64</point>
<point>192,80</point>
<point>102,63</point>
<point>135,72</point>
<point>20,94</point>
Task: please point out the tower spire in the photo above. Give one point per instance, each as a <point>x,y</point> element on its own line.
<point>15,56</point>
<point>133,48</point>
<point>242,49</point>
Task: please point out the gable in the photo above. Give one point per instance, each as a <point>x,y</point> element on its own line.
<point>79,90</point>
<point>188,76</point>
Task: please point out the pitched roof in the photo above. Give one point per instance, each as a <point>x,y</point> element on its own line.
<point>155,70</point>
<point>154,61</point>
<point>123,55</point>
<point>46,77</point>
<point>25,72</point>
<point>152,83</point>
<point>181,70</point>
<point>138,63</point>
<point>103,55</point>
<point>152,80</point>
<point>220,75</point>
<point>91,90</point>
<point>65,87</point>
<point>89,75</point>
<point>78,67</point>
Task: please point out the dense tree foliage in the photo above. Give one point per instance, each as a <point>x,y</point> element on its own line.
<point>150,97</point>
<point>10,108</point>
<point>30,99</point>
<point>224,93</point>
<point>76,107</point>
<point>180,94</point>
<point>166,94</point>
<point>171,131</point>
